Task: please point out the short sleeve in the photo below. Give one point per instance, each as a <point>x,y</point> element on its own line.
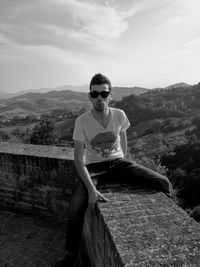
<point>78,133</point>
<point>124,121</point>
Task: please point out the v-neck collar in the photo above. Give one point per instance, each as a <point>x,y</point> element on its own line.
<point>110,113</point>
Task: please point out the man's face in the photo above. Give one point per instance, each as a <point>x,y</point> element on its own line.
<point>99,102</point>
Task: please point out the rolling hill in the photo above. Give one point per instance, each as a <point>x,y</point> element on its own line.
<point>38,102</point>
<point>44,99</point>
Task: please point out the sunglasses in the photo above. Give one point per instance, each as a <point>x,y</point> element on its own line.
<point>103,94</point>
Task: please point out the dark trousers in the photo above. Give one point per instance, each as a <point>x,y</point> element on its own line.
<point>117,170</point>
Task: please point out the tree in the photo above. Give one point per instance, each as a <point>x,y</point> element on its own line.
<point>184,171</point>
<point>44,132</point>
<point>4,136</point>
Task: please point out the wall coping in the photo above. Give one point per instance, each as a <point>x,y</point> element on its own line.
<point>37,150</point>
<point>149,229</point>
<point>146,228</point>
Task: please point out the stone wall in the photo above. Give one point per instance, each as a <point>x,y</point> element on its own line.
<point>140,228</point>
<point>134,228</point>
<point>36,178</point>
<point>98,241</point>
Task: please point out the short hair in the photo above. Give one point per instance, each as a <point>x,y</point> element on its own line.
<point>98,79</point>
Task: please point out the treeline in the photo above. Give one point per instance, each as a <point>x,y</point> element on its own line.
<point>10,120</point>
<point>26,126</point>
<point>157,104</point>
<point>183,169</point>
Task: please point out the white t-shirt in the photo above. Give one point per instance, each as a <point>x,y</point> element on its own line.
<point>101,143</point>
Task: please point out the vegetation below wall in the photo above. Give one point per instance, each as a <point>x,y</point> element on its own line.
<point>183,169</point>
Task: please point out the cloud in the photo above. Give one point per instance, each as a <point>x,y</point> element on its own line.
<point>12,50</point>
<point>56,54</point>
<point>126,37</point>
<point>55,30</point>
<point>193,43</point>
<point>183,12</point>
<point>4,41</point>
<point>178,54</point>
<point>91,18</point>
<point>172,21</point>
<point>7,53</point>
<point>97,20</point>
<point>72,24</point>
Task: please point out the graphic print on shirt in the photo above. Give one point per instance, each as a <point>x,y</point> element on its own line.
<point>104,143</point>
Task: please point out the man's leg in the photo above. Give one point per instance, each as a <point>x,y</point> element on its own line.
<point>78,206</point>
<point>136,174</point>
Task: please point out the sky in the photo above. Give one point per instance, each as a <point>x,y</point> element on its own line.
<point>147,43</point>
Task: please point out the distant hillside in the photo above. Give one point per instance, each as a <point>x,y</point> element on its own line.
<point>68,99</point>
<point>178,85</point>
<point>55,98</point>
<point>5,95</point>
<point>77,88</point>
<point>42,102</point>
<point>162,110</point>
<point>61,95</point>
<point>119,92</point>
<point>172,110</point>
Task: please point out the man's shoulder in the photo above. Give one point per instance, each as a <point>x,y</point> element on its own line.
<point>84,115</point>
<point>117,111</point>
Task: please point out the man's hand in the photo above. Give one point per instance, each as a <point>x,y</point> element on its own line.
<point>95,196</point>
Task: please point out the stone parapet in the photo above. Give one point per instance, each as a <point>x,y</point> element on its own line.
<point>36,178</point>
<point>134,228</point>
<point>138,228</point>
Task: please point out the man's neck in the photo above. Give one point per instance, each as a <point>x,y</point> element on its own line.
<point>101,113</point>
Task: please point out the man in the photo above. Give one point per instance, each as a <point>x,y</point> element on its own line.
<point>100,135</point>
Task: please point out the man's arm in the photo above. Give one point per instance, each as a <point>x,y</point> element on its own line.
<point>123,139</point>
<point>93,193</point>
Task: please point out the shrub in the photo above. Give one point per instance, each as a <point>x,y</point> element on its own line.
<point>44,132</point>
